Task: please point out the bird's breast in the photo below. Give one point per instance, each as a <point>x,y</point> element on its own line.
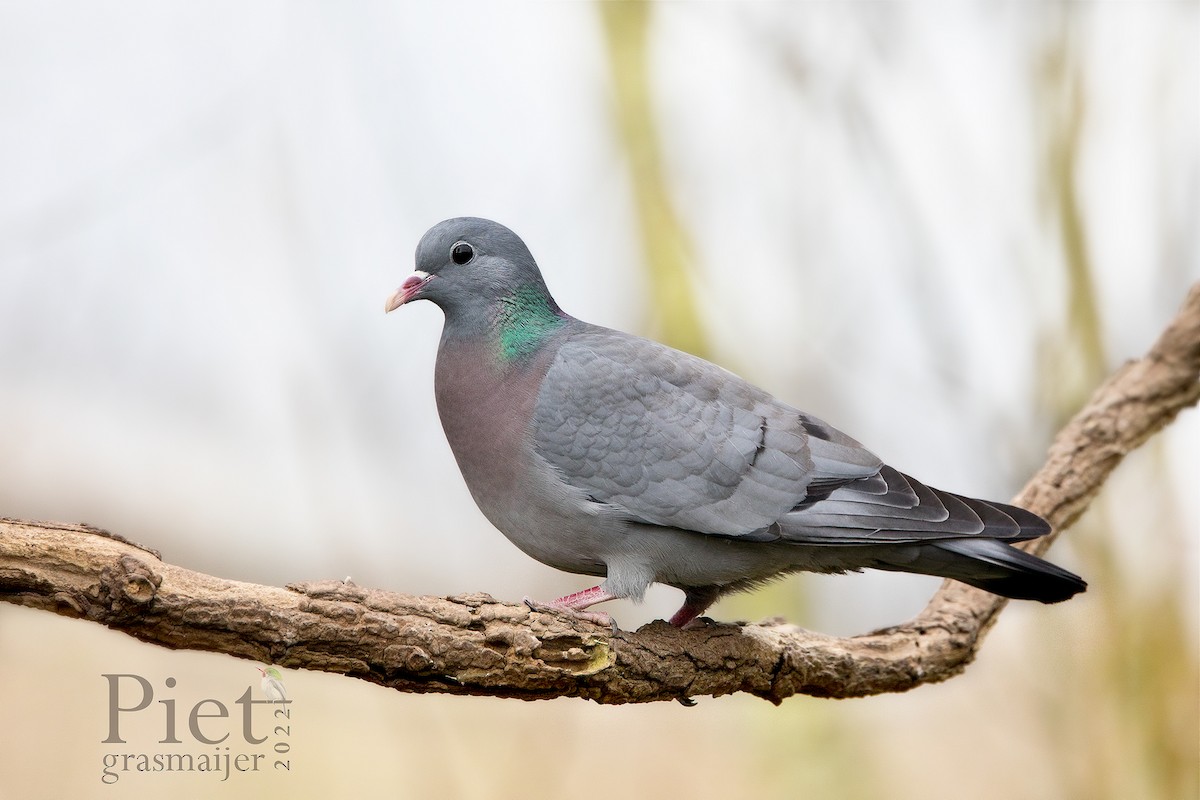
<point>486,407</point>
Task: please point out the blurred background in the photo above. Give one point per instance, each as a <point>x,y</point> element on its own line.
<point>936,225</point>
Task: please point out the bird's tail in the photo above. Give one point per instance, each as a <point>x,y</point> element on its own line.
<point>995,567</point>
<point>916,528</point>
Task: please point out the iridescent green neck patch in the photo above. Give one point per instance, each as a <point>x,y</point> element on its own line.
<point>526,318</point>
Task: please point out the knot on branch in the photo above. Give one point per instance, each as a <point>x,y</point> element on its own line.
<point>128,587</point>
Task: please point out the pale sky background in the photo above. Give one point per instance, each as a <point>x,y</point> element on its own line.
<point>204,206</point>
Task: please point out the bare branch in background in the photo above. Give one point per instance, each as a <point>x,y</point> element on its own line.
<point>474,644</point>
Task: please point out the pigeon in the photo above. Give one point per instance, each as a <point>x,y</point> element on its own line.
<point>602,453</point>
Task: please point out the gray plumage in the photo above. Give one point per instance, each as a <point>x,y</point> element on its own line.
<point>602,453</point>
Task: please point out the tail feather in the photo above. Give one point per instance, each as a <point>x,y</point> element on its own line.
<point>905,526</point>
<point>995,567</point>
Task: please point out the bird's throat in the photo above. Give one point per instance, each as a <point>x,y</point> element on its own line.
<point>526,318</point>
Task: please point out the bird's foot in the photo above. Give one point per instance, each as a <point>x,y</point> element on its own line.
<point>563,605</point>
<point>697,623</point>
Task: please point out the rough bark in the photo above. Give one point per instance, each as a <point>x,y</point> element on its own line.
<point>473,644</point>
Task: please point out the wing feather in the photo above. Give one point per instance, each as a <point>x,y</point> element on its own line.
<point>674,440</point>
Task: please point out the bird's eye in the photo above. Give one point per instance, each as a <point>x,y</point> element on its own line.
<point>461,253</point>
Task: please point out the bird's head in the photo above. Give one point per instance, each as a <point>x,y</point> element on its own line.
<point>468,264</point>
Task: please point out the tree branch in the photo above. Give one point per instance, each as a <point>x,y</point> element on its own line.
<point>473,644</point>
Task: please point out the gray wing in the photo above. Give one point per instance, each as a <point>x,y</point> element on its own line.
<point>893,508</point>
<point>674,440</point>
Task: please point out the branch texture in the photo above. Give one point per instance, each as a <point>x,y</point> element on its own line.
<point>473,644</point>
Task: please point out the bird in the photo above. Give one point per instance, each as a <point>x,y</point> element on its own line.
<point>602,453</point>
<point>272,684</point>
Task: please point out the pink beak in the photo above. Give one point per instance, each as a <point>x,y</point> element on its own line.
<point>408,290</point>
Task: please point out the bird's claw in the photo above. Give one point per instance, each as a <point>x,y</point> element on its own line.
<point>697,623</point>
<point>597,617</point>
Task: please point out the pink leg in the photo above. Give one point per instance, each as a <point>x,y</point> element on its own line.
<point>695,603</point>
<point>576,602</point>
